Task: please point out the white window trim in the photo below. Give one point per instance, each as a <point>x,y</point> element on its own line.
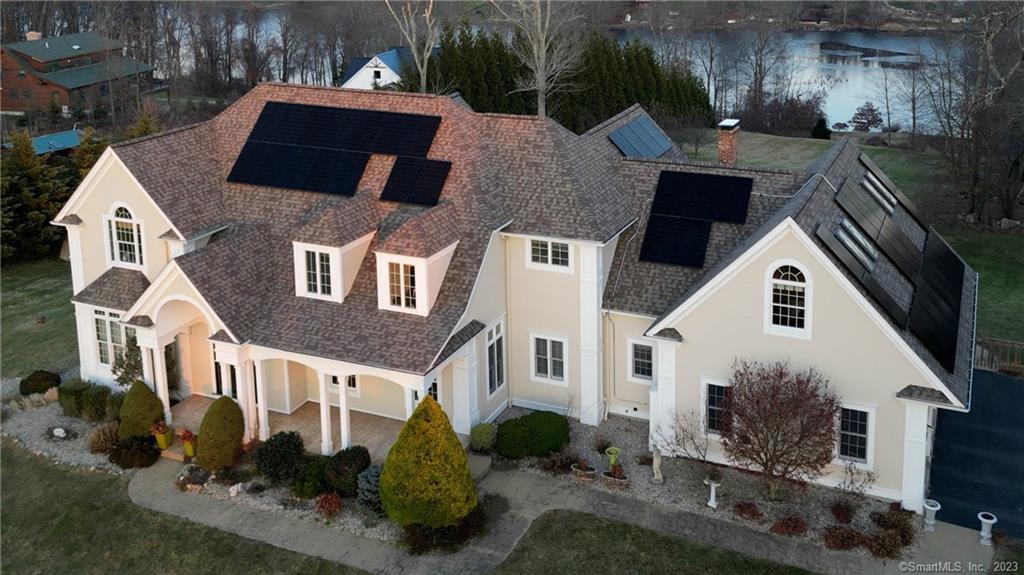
<point>504,362</point>
<point>630,375</point>
<point>118,323</point>
<point>869,464</point>
<point>569,269</point>
<point>299,250</point>
<point>384,283</point>
<point>564,382</point>
<point>705,381</point>
<point>352,391</point>
<point>772,329</point>
<point>108,219</point>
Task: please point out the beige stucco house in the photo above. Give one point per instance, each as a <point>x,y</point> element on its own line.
<point>356,251</point>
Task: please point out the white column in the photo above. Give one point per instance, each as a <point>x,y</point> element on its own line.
<point>344,425</point>
<point>326,445</point>
<point>244,394</point>
<point>261,401</point>
<point>147,366</point>
<point>160,373</point>
<point>225,378</point>
<point>591,386</point>
<point>472,387</point>
<point>410,403</point>
<point>915,451</point>
<point>461,390</point>
<point>663,420</point>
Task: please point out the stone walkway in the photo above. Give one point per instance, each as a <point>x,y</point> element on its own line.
<point>528,496</point>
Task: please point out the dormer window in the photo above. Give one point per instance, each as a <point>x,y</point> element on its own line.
<point>402,285</point>
<point>410,284</point>
<point>318,272</point>
<point>124,239</point>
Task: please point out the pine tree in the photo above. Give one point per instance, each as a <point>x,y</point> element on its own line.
<point>33,192</point>
<point>127,366</point>
<point>89,149</point>
<point>54,111</point>
<point>145,125</point>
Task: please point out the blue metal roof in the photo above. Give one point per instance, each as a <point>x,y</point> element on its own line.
<point>54,142</point>
<point>353,67</point>
<point>394,58</point>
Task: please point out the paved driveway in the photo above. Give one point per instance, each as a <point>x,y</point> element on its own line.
<point>978,457</point>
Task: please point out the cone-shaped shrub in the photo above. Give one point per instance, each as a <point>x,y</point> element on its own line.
<point>140,409</point>
<point>220,435</point>
<point>426,478</point>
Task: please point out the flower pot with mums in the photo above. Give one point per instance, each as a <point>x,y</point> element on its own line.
<point>163,434</point>
<point>582,470</point>
<point>616,477</point>
<point>188,439</point>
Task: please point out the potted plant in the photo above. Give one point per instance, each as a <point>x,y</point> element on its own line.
<point>616,477</point>
<point>713,478</point>
<point>582,470</point>
<point>188,439</point>
<point>163,434</point>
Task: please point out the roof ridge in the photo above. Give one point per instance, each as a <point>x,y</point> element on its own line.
<point>698,164</point>
<point>611,119</point>
<point>168,132</point>
<point>510,116</point>
<point>351,90</point>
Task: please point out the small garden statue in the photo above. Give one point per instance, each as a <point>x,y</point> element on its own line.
<point>613,455</point>
<point>713,479</point>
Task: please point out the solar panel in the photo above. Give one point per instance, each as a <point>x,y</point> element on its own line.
<point>862,208</point>
<point>299,168</point>
<point>640,139</point>
<point>942,269</point>
<point>873,287</point>
<point>352,129</point>
<point>935,313</point>
<point>416,181</point>
<point>675,240</point>
<point>890,187</point>
<point>900,249</point>
<point>703,196</point>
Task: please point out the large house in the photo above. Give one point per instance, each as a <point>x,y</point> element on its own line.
<point>360,250</point>
<point>380,70</point>
<point>76,69</point>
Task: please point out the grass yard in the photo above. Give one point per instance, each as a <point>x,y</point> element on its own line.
<point>569,542</point>
<point>57,520</point>
<point>37,320</point>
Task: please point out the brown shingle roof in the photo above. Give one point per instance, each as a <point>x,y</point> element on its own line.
<point>117,288</point>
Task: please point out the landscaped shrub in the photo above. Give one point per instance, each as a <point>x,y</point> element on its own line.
<point>420,539</point>
<point>885,544</point>
<point>281,457</point>
<point>329,504</point>
<point>550,430</point>
<point>843,512</point>
<point>843,538</point>
<point>426,479</point>
<point>135,452</point>
<point>748,510</point>
<point>140,409</point>
<point>94,402</point>
<point>69,394</point>
<point>368,491</point>
<point>791,526</point>
<point>220,434</point>
<point>482,436</point>
<point>114,402</point>
<point>312,478</point>
<point>514,439</point>
<point>38,382</point>
<point>898,520</point>
<point>344,468</point>
<point>559,462</point>
<point>104,438</point>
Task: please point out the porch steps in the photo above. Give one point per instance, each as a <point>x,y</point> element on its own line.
<point>479,465</point>
<point>176,451</point>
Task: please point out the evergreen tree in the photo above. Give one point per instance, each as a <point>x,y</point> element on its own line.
<point>89,149</point>
<point>866,118</point>
<point>54,111</point>
<point>127,367</point>
<point>820,130</point>
<point>33,192</point>
<point>145,125</point>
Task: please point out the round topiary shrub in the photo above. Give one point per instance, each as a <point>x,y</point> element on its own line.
<point>280,458</point>
<point>514,439</point>
<point>220,434</point>
<point>426,478</point>
<point>550,432</point>
<point>311,480</point>
<point>114,402</point>
<point>140,410</point>
<point>344,469</point>
<point>38,382</point>
<point>368,491</point>
<point>94,402</point>
<point>482,436</point>
<point>69,395</point>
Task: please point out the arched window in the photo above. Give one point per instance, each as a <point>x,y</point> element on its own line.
<point>124,235</point>
<point>789,298</point>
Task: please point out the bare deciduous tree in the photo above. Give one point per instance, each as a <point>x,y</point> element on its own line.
<point>548,45</point>
<point>781,422</point>
<point>684,435</point>
<point>910,91</point>
<point>885,90</point>
<point>420,31</point>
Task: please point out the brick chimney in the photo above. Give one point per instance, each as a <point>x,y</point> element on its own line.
<point>30,36</point>
<point>728,141</point>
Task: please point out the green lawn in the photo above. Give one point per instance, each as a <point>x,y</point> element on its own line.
<point>37,320</point>
<point>569,542</point>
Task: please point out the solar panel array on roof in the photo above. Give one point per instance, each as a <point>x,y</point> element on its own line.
<point>416,180</point>
<point>640,139</point>
<point>299,168</point>
<point>935,312</point>
<point>703,196</point>
<point>675,240</point>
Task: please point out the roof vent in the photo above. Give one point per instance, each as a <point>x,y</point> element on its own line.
<point>76,47</point>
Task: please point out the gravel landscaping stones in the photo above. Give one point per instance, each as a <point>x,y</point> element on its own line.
<point>33,430</point>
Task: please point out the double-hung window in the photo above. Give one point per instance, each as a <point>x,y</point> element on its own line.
<point>641,362</point>
<point>544,253</point>
<point>495,358</point>
<point>111,336</point>
<point>853,434</point>
<point>716,418</point>
<point>318,273</point>
<point>402,285</point>
<point>549,362</point>
<point>124,238</point>
<point>788,309</point>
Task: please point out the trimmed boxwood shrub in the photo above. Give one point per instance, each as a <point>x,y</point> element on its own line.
<point>426,478</point>
<point>514,439</point>
<point>280,458</point>
<point>135,452</point>
<point>220,434</point>
<point>537,434</point>
<point>69,395</point>
<point>140,410</point>
<point>94,402</point>
<point>312,477</point>
<point>38,382</point>
<point>344,468</point>
<point>114,402</point>
<point>482,437</point>
<point>368,491</point>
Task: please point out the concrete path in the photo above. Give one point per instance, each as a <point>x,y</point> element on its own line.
<point>528,496</point>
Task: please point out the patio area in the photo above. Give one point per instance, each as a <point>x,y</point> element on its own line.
<point>374,432</point>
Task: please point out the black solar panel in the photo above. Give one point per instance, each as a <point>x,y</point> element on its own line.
<point>416,181</point>
<point>935,313</point>
<point>346,129</point>
<point>703,196</point>
<point>862,208</point>
<point>891,187</point>
<point>900,249</point>
<point>640,139</point>
<point>875,289</point>
<point>299,168</point>
<point>675,240</point>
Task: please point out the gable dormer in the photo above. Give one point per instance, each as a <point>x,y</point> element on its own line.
<point>328,250</point>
